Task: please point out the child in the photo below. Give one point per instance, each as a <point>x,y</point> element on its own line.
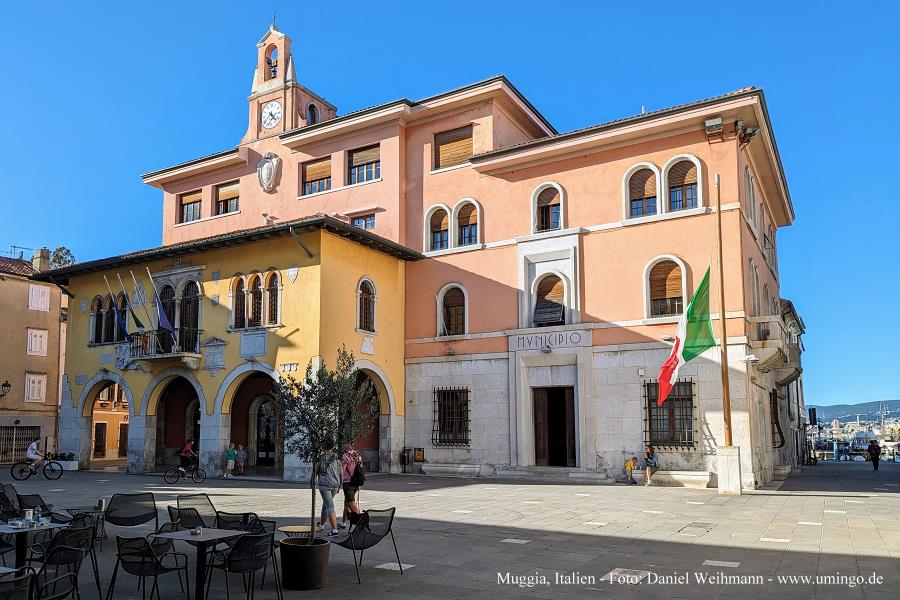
<point>230,456</point>
<point>630,466</point>
<point>240,456</point>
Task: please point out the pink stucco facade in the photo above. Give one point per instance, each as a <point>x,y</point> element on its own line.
<point>600,252</point>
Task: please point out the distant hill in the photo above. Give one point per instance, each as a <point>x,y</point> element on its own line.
<point>868,411</point>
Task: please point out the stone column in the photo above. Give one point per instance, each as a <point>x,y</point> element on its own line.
<point>215,434</point>
<point>390,442</point>
<point>729,470</point>
<point>141,444</point>
<point>74,429</point>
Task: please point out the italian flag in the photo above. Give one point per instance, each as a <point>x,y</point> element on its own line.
<point>693,336</point>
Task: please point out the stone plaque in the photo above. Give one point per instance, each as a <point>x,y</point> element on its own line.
<point>213,351</point>
<point>84,305</point>
<point>253,343</point>
<point>555,339</point>
<point>107,358</point>
<point>292,273</point>
<point>368,345</point>
<point>81,378</point>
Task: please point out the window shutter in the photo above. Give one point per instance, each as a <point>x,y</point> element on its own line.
<point>452,147</point>
<point>665,281</point>
<point>364,155</point>
<point>454,297</point>
<point>683,173</point>
<point>319,169</point>
<point>191,197</point>
<point>642,184</point>
<point>549,306</point>
<point>228,191</point>
<point>468,215</point>
<point>548,197</point>
<point>439,221</point>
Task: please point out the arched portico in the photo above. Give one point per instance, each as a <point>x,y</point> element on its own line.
<point>75,419</point>
<point>390,425</point>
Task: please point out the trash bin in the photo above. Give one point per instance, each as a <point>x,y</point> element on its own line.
<point>405,459</point>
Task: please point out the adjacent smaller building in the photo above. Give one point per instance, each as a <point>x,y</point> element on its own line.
<point>32,327</point>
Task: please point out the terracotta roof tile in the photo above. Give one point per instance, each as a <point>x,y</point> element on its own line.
<point>16,266</point>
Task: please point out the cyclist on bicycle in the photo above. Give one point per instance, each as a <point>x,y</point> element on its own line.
<point>33,455</point>
<point>187,454</point>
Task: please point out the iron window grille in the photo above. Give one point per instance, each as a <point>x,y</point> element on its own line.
<point>14,441</point>
<point>674,423</point>
<point>451,417</point>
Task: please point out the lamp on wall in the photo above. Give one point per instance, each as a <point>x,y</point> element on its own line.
<point>4,388</point>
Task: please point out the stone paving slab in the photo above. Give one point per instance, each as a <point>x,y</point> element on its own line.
<point>461,533</point>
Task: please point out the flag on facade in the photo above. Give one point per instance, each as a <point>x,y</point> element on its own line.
<point>161,318</point>
<point>134,316</point>
<point>120,319</point>
<point>693,336</point>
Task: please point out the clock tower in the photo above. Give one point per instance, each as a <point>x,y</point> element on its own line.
<point>278,102</point>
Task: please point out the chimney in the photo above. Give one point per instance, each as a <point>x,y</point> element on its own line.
<point>41,259</point>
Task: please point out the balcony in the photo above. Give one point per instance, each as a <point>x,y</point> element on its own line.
<point>161,345</point>
<point>768,340</point>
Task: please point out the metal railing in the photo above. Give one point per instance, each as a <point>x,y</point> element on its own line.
<point>161,343</point>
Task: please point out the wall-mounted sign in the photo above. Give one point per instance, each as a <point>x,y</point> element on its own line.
<point>556,339</point>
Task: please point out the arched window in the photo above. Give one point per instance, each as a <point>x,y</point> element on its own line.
<point>366,305</point>
<point>122,303</point>
<point>167,299</point>
<point>666,293</point>
<point>256,304</point>
<point>749,196</point>
<point>439,228</point>
<point>312,114</point>
<point>109,321</point>
<point>547,217</point>
<point>754,288</point>
<point>467,221</point>
<point>682,185</point>
<point>767,300</point>
<point>642,193</point>
<point>240,304</point>
<point>453,312</point>
<point>272,314</point>
<point>271,62</point>
<point>97,322</point>
<point>189,325</point>
<point>549,304</point>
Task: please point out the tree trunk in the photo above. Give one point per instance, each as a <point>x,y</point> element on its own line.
<point>312,514</point>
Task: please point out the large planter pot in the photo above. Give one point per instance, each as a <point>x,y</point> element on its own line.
<point>69,465</point>
<point>304,565</point>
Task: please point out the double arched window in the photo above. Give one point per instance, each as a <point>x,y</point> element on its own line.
<point>365,305</point>
<point>452,313</point>
<point>189,318</point>
<point>256,300</point>
<point>549,302</point>
<point>648,192</point>
<point>664,280</point>
<point>103,326</point>
<point>456,228</point>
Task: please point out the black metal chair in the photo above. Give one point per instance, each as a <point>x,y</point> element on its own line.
<point>49,584</point>
<point>249,555</point>
<point>11,494</point>
<point>202,504</point>
<point>81,538</point>
<point>17,585</point>
<point>137,557</point>
<point>371,527</point>
<point>187,518</point>
<point>257,525</point>
<point>131,510</point>
<point>233,521</point>
<point>35,502</point>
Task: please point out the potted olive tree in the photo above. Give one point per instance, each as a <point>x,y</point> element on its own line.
<point>321,416</point>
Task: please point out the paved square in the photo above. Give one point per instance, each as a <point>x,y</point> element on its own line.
<point>463,538</point>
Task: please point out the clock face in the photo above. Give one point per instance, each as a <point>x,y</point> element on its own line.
<point>271,114</point>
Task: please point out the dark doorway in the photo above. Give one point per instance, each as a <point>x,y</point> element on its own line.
<point>99,440</point>
<point>367,444</point>
<point>554,426</point>
<point>265,436</point>
<point>123,440</point>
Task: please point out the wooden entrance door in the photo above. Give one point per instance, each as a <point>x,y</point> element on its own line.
<point>541,431</point>
<point>99,440</point>
<point>123,440</point>
<point>554,426</point>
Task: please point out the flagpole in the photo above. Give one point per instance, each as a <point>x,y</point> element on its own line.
<point>128,299</point>
<point>726,392</point>
<point>143,300</point>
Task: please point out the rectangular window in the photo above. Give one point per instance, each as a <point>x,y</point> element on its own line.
<point>35,387</point>
<point>671,424</point>
<point>37,342</point>
<point>316,176</point>
<point>228,198</point>
<point>548,217</point>
<point>38,297</point>
<point>364,164</point>
<point>364,221</point>
<point>439,239</point>
<point>451,417</point>
<point>189,207</point>
<point>453,147</point>
<point>641,207</point>
<point>468,234</point>
<point>777,435</point>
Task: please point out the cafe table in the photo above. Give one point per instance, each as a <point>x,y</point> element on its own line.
<point>207,536</point>
<point>22,537</point>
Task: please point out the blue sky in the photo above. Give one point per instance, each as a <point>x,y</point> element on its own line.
<point>95,94</point>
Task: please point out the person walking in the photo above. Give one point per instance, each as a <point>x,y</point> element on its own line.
<point>630,465</point>
<point>240,456</point>
<point>230,458</point>
<point>651,464</point>
<point>329,482</point>
<point>874,454</point>
<point>352,478</point>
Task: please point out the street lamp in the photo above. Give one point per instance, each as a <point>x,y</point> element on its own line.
<point>4,388</point>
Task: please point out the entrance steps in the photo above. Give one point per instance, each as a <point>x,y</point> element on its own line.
<point>553,474</point>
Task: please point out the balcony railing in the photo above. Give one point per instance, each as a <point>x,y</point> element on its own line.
<point>161,343</point>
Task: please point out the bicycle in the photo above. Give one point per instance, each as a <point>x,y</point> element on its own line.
<point>50,468</point>
<point>197,474</point>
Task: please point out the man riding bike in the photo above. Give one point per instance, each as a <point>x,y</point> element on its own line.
<point>187,455</point>
<point>33,455</point>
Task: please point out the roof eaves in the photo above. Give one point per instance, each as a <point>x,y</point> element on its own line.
<point>187,163</point>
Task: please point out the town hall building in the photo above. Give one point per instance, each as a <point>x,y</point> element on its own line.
<point>510,290</point>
